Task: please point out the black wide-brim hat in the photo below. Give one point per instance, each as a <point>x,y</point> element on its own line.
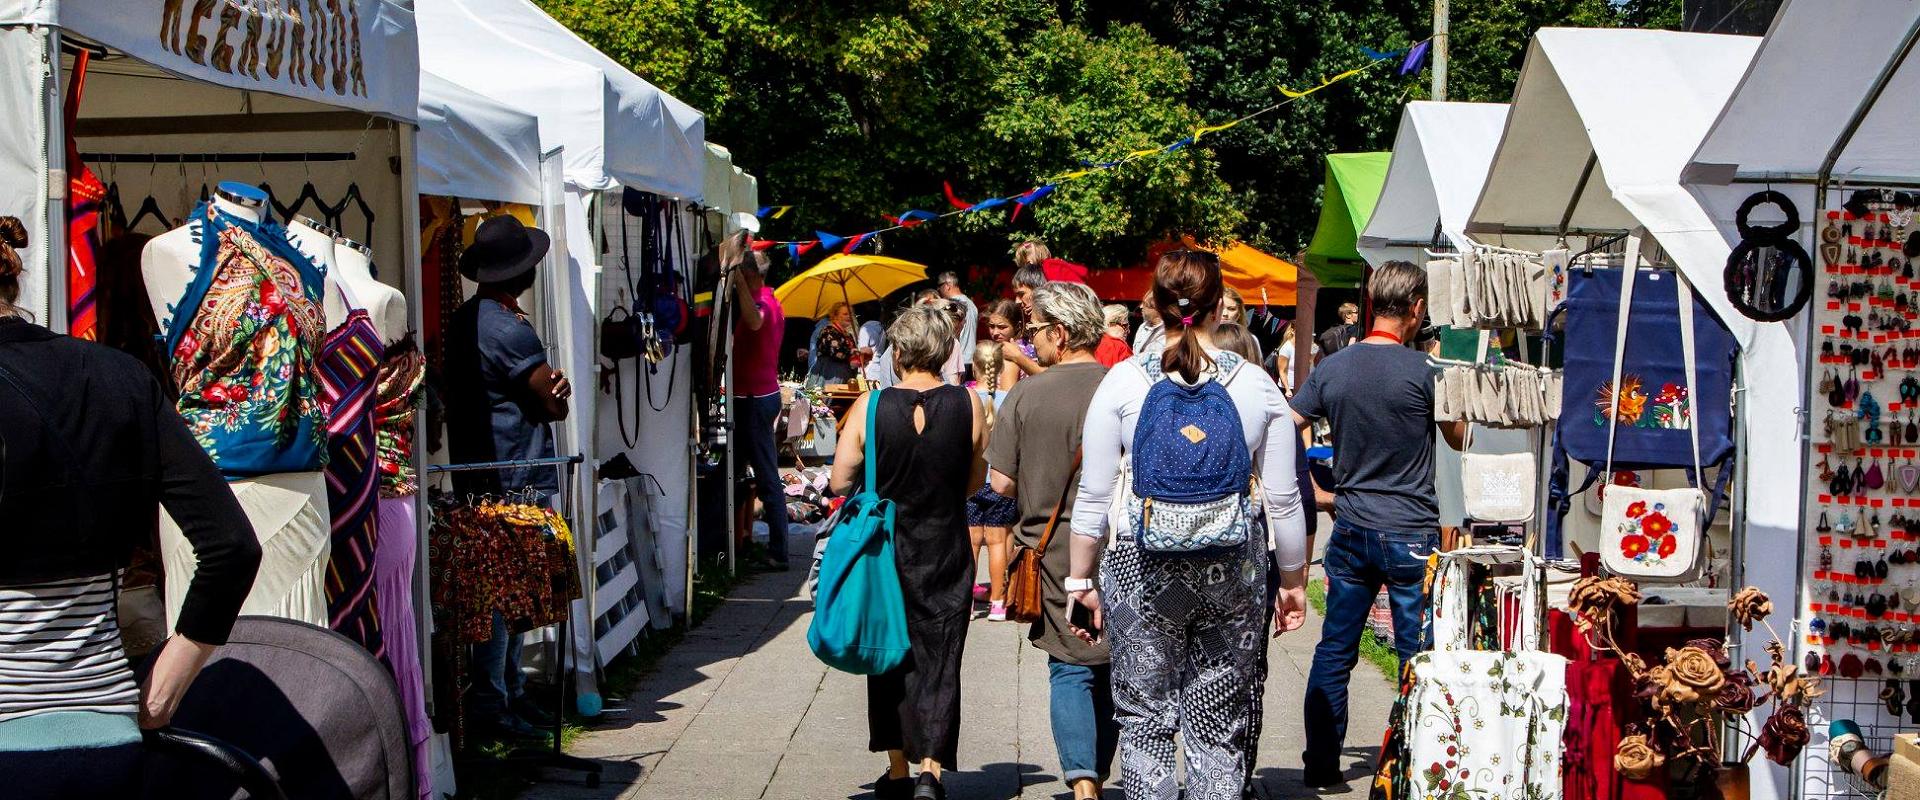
<point>503,249</point>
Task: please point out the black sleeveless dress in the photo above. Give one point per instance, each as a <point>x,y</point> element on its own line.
<point>916,707</point>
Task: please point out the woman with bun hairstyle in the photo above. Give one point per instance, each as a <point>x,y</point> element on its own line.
<point>93,452</point>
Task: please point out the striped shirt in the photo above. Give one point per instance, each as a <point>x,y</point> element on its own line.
<point>60,649</point>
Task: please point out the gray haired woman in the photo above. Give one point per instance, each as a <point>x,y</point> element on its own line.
<point>923,428</point>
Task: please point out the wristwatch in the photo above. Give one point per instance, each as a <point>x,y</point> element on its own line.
<point>1079,584</point>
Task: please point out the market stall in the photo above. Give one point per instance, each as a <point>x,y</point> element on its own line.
<point>1850,92</point>
<point>614,132</point>
<point>1440,160</point>
<point>1602,123</point>
<point>1352,188</point>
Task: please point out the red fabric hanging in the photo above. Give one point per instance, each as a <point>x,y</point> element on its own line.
<point>84,195</point>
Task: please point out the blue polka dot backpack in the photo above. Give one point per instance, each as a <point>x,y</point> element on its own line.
<point>1191,472</point>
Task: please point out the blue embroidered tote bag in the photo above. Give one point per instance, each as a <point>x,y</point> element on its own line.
<point>860,614</point>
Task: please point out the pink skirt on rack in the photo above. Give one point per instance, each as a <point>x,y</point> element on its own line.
<point>393,566</point>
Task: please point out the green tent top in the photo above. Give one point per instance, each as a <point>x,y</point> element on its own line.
<point>1353,186</point>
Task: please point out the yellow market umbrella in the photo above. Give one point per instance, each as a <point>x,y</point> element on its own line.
<point>844,278</point>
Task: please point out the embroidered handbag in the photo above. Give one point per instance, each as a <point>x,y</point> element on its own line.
<point>1498,488</point>
<point>1674,403</point>
<point>860,612</point>
<point>1654,534</point>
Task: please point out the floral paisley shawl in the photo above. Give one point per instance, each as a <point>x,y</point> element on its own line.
<point>243,353</point>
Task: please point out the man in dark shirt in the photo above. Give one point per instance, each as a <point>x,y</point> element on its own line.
<point>1378,395</point>
<point>1339,337</point>
<point>501,396</point>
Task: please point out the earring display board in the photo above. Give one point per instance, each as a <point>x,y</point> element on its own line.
<point>1859,616</point>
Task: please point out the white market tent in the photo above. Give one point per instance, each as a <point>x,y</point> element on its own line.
<point>476,147</point>
<point>1440,160</point>
<point>1635,105</point>
<point>660,146</point>
<point>1827,101</point>
<point>159,78</point>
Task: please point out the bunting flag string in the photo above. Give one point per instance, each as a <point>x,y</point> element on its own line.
<point>1414,58</point>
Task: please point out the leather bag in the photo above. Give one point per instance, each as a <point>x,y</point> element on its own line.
<point>1025,601</point>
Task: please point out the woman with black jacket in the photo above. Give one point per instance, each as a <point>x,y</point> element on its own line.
<point>90,449</point>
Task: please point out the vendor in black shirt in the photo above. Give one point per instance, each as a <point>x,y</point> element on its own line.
<point>501,396</point>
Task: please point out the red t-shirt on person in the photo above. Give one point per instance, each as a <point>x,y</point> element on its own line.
<point>1111,351</point>
<point>756,354</point>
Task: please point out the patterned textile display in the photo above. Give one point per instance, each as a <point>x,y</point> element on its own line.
<point>397,397</point>
<point>349,361</point>
<point>440,224</point>
<point>1471,722</point>
<point>243,345</point>
<point>513,558</point>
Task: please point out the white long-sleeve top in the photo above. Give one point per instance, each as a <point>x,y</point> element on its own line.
<point>1265,418</point>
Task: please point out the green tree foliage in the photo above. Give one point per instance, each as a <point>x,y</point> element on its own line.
<point>851,109</point>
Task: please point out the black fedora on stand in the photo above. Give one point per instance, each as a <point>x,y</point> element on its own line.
<point>503,249</point>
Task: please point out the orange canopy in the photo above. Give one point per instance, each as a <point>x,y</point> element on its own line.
<point>1246,270</point>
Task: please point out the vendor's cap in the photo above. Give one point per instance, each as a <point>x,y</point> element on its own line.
<point>503,249</point>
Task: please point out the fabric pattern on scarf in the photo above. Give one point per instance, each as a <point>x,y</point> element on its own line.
<point>243,355</point>
<point>348,363</point>
<point>397,396</point>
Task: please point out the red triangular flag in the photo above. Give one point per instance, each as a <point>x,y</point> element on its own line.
<point>763,244</point>
<point>953,199</point>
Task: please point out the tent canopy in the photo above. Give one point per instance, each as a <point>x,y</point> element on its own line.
<point>1440,160</point>
<point>1259,277</point>
<point>653,142</point>
<point>1816,67</point>
<point>384,50</point>
<point>564,95</point>
<point>474,147</point>
<point>1353,186</point>
<point>1601,124</point>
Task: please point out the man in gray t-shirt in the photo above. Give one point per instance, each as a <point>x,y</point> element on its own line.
<point>1378,395</point>
<point>1033,453</point>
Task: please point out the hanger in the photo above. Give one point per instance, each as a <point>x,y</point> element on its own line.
<point>148,208</point>
<point>336,214</point>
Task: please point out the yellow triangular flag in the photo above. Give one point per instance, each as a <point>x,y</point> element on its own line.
<point>1199,132</point>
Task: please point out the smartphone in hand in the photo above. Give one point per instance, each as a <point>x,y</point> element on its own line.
<point>1081,617</point>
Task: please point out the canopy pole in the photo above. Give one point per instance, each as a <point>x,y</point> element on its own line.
<point>1580,188</point>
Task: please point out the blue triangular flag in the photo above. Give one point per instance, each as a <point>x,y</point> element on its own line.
<point>829,241</point>
<point>1377,55</point>
<point>1415,58</point>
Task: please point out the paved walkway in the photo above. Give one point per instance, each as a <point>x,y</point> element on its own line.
<point>741,709</point>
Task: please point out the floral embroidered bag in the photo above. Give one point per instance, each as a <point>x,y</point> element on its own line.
<point>1673,407</point>
<point>1654,534</point>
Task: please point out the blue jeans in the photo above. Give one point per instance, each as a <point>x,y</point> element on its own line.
<point>1358,562</point>
<point>761,451</point>
<point>1084,730</point>
<point>497,680</point>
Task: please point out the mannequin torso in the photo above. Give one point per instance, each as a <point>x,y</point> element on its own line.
<point>288,511</point>
<point>385,305</point>
<point>316,240</point>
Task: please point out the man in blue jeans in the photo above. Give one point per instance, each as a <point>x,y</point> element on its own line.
<point>1378,395</point>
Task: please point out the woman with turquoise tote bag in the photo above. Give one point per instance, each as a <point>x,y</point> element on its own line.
<point>898,561</point>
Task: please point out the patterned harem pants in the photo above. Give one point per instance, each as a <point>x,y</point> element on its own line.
<point>1186,632</point>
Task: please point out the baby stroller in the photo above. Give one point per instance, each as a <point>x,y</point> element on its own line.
<point>285,709</point>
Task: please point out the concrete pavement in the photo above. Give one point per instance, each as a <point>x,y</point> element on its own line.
<point>742,709</point>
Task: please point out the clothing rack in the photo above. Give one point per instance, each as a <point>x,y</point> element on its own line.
<point>214,158</point>
<point>556,758</point>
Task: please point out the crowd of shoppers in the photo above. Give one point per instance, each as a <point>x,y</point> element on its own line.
<point>1065,423</point>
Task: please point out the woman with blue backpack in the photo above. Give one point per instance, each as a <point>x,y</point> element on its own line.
<point>1181,451</point>
<point>917,435</point>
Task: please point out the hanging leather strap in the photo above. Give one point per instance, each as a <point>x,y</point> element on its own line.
<point>1073,474</point>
